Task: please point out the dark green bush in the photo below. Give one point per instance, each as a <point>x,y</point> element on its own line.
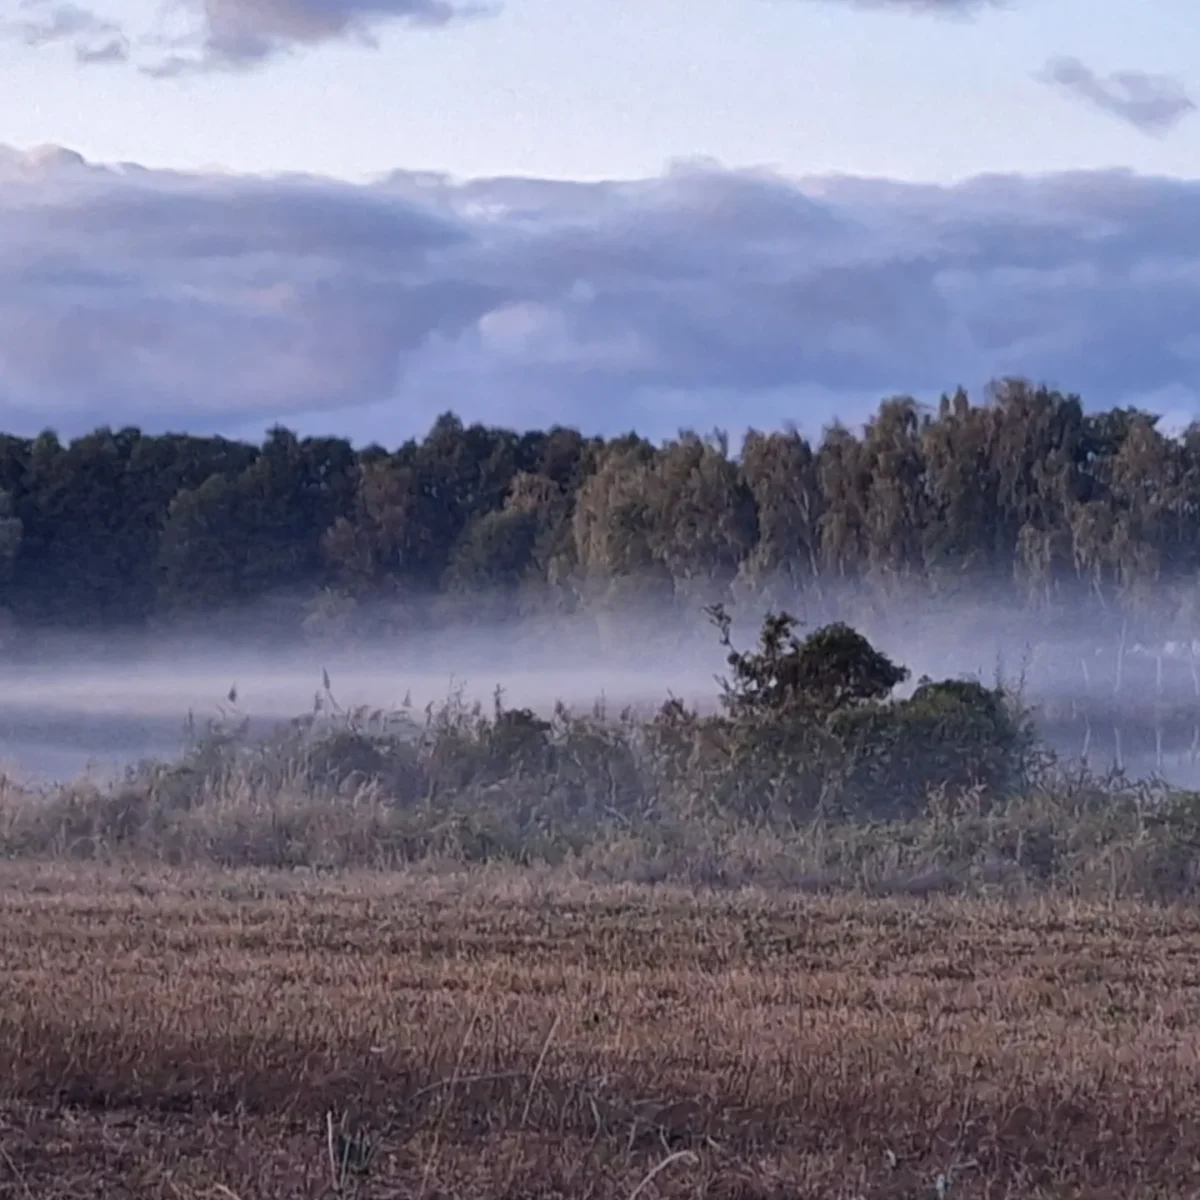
<point>813,724</point>
<point>956,735</point>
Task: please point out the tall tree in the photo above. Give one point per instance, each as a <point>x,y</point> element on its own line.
<point>780,469</point>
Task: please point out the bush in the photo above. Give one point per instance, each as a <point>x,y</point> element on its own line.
<point>954,736</point>
<point>823,709</point>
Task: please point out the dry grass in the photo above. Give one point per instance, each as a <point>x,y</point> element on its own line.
<point>496,1033</point>
<point>627,798</point>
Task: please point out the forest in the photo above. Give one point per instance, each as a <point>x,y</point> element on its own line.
<point>1025,490</point>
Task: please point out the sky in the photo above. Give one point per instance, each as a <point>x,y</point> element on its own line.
<point>350,215</point>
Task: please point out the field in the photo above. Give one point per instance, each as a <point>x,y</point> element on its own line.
<point>495,1032</point>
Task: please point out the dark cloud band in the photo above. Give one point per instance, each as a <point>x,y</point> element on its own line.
<point>698,297</point>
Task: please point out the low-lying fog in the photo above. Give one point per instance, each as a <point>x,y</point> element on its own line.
<point>98,707</point>
<point>58,723</point>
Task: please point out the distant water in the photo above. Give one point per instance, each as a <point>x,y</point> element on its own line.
<point>1135,750</point>
<point>48,745</point>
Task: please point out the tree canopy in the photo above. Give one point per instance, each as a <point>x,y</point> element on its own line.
<point>1025,488</point>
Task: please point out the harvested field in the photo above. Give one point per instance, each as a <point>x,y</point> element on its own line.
<point>498,1033</point>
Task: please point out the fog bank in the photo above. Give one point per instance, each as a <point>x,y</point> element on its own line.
<point>100,704</point>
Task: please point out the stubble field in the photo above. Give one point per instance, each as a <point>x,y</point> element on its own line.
<point>514,1034</point>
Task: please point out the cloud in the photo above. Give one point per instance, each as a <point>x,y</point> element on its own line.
<point>1155,104</point>
<point>225,35</point>
<point>699,297</point>
<point>92,38</point>
<point>239,35</point>
<point>243,34</point>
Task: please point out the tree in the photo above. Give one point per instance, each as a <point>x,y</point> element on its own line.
<point>780,471</point>
<point>10,537</point>
<point>833,668</point>
<point>843,472</point>
<point>896,511</point>
<point>611,525</point>
<point>699,513</point>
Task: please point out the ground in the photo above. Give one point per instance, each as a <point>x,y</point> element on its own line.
<point>519,1034</point>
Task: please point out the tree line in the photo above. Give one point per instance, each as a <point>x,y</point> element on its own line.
<point>1024,489</point>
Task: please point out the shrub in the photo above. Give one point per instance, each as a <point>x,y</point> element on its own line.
<point>823,707</point>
